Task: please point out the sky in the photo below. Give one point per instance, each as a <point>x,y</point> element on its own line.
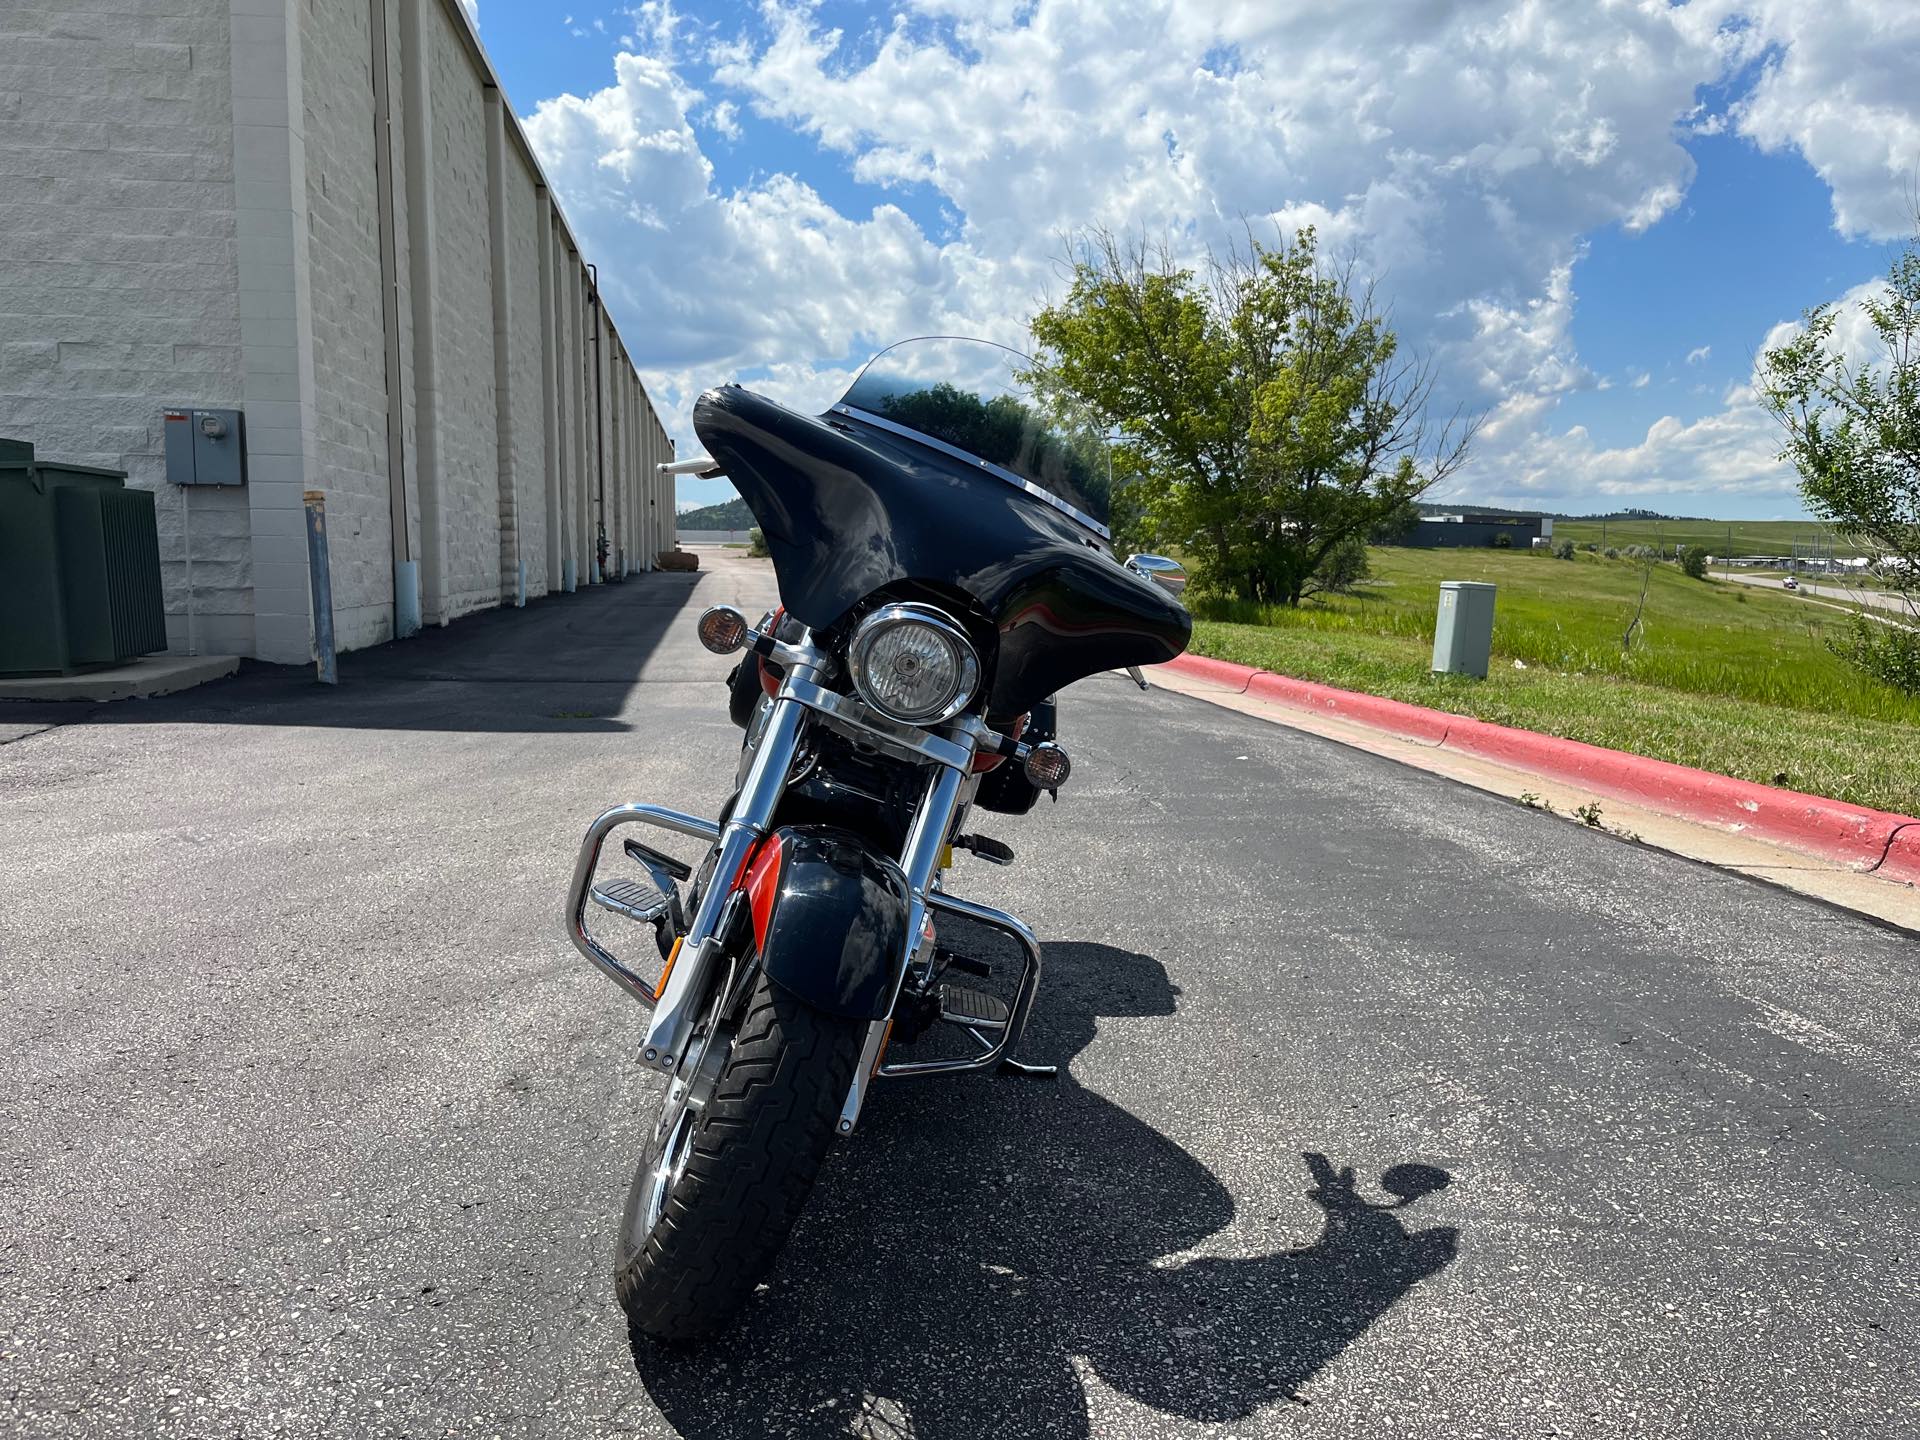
<point>1591,215</point>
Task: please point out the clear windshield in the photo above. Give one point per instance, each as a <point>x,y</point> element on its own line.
<point>993,404</point>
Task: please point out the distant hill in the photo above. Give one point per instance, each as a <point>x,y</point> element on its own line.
<point>730,515</point>
<point>1465,507</point>
<point>1468,507</point>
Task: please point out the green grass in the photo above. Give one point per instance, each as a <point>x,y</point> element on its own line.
<point>1718,537</point>
<point>1720,676</point>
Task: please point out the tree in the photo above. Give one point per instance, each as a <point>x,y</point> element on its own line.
<point>1265,413</point>
<point>1693,560</point>
<point>1395,527</point>
<point>1852,424</point>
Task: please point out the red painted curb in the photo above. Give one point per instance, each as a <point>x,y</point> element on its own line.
<point>1220,672</point>
<point>1416,722</point>
<point>1865,839</point>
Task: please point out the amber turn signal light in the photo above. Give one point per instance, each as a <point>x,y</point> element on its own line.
<point>723,629</point>
<point>1047,766</point>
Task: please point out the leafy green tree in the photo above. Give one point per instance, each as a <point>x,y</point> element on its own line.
<point>1693,560</point>
<point>1852,424</point>
<point>1396,527</point>
<point>1266,414</point>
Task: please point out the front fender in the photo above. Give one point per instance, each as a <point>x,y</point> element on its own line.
<point>829,919</point>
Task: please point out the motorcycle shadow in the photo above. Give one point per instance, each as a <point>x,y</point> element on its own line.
<point>975,1252</point>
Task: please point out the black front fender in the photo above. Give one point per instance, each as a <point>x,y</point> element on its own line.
<point>829,919</point>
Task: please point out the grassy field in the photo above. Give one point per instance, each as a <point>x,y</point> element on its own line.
<point>1727,678</point>
<point>1718,537</point>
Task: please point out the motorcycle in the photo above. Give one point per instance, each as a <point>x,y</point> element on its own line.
<point>944,565</point>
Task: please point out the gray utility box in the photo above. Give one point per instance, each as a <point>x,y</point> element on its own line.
<point>1463,635</point>
<point>204,447</point>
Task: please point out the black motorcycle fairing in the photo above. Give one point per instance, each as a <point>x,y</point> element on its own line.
<point>827,885</point>
<point>849,509</point>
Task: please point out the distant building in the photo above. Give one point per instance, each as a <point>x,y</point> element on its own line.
<point>1442,532</point>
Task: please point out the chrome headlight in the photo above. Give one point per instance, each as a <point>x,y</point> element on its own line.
<point>912,663</point>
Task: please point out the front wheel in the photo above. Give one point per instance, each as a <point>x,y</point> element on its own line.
<point>731,1161</point>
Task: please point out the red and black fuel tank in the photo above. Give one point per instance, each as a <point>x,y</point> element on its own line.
<point>849,509</point>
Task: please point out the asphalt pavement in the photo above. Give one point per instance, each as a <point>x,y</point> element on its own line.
<point>1388,1107</point>
<point>1853,594</point>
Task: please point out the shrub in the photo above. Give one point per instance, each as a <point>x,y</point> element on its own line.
<point>1343,567</point>
<point>1563,549</point>
<point>1501,540</point>
<point>1889,653</point>
<point>1693,560</point>
<point>1592,547</point>
<point>1612,552</point>
<point>756,542</point>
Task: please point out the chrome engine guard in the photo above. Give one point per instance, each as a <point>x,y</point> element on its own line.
<point>949,759</point>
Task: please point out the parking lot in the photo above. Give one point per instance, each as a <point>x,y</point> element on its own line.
<point>1387,1107</point>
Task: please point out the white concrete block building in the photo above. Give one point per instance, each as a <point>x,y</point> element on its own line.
<point>323,214</point>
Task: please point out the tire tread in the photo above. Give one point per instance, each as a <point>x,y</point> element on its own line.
<point>754,1160</point>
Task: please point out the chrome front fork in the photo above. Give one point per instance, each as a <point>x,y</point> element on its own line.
<point>753,809</point>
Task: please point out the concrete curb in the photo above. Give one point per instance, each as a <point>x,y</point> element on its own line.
<point>138,680</point>
<point>1861,839</point>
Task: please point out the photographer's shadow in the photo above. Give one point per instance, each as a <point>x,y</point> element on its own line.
<point>975,1241</point>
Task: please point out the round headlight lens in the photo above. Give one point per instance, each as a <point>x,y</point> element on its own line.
<point>914,664</point>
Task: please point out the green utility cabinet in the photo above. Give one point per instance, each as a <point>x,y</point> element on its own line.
<point>1463,632</point>
<point>79,567</point>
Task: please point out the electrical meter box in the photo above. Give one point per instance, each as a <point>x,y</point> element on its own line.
<point>205,447</point>
<point>1463,633</point>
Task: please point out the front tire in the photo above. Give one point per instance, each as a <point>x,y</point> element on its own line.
<point>719,1188</point>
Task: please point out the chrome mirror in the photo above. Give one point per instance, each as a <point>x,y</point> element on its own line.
<point>1169,575</point>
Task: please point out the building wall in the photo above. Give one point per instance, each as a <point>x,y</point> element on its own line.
<point>528,414</point>
<point>190,204</point>
<point>349,328</point>
<point>118,279</point>
<point>469,457</point>
<point>1452,535</point>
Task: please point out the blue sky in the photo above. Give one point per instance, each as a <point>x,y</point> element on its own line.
<point>1591,217</point>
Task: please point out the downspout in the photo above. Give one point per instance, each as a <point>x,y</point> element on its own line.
<point>599,433</point>
<point>406,573</point>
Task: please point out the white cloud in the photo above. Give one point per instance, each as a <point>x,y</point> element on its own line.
<point>1730,453</point>
<point>1838,84</point>
<point>1699,354</point>
<point>1461,153</point>
<point>709,284</point>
